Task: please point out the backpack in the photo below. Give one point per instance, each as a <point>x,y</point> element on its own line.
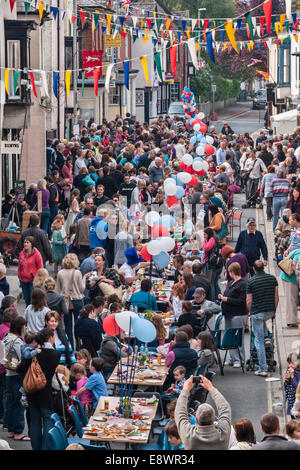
<point>215,259</point>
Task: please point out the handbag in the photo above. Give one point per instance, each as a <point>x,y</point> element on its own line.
<point>223,232</point>
<point>107,289</point>
<point>34,379</point>
<point>68,298</point>
<point>9,362</point>
<point>286,265</point>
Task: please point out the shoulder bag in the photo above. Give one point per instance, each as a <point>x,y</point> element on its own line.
<point>9,362</point>
<point>223,232</point>
<point>286,265</point>
<point>34,379</point>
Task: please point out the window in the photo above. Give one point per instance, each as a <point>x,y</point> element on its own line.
<point>114,95</point>
<point>112,53</point>
<point>174,92</point>
<point>13,62</point>
<point>284,64</point>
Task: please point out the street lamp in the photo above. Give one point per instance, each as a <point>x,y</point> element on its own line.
<point>199,14</point>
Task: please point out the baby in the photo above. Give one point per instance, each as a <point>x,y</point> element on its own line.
<point>28,350</point>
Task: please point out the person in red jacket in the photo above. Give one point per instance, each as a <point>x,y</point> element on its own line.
<point>30,261</point>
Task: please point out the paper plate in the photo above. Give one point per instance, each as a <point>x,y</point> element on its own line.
<point>99,418</point>
<point>151,381</point>
<point>138,438</point>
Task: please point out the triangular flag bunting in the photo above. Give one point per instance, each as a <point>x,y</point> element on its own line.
<point>96,79</point>
<point>41,10</point>
<point>55,84</point>
<point>12,4</point>
<point>16,77</point>
<point>32,82</point>
<point>27,6</point>
<point>158,64</point>
<point>82,82</point>
<point>267,6</point>
<point>6,75</point>
<point>68,81</point>
<point>231,36</point>
<point>143,60</point>
<point>126,73</point>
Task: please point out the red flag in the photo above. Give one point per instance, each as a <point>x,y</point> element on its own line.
<point>206,22</point>
<point>277,42</point>
<point>261,21</point>
<point>123,34</point>
<point>12,4</point>
<point>74,18</point>
<point>96,78</point>
<point>149,23</point>
<point>82,17</point>
<point>90,60</point>
<point>267,6</point>
<point>173,55</point>
<point>296,24</point>
<point>32,82</point>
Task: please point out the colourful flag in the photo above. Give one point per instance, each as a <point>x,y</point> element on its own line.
<point>32,82</point>
<point>96,79</point>
<point>143,60</point>
<point>267,6</point>
<point>173,56</point>
<point>230,33</point>
<point>6,75</point>
<point>16,77</point>
<point>68,80</point>
<point>266,75</point>
<point>253,62</point>
<point>126,73</point>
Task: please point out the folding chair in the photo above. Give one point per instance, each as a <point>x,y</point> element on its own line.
<point>56,440</point>
<point>232,339</point>
<point>83,417</point>
<point>79,431</point>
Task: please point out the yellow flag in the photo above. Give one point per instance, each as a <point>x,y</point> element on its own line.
<point>230,33</point>
<point>169,21</point>
<point>154,14</point>
<point>6,80</point>
<point>281,39</point>
<point>249,46</point>
<point>68,81</point>
<point>296,37</point>
<point>41,9</point>
<point>252,44</point>
<point>277,28</point>
<point>143,59</point>
<point>108,17</point>
<point>188,34</point>
<point>197,46</point>
<point>281,19</point>
<point>146,37</point>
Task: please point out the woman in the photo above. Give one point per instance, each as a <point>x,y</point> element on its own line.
<point>244,434</point>
<point>88,329</point>
<point>107,276</point>
<point>280,155</point>
<point>45,195</point>
<point>265,190</point>
<point>55,301</point>
<point>234,309</point>
<point>61,340</point>
<point>41,402</point>
<point>30,261</point>
<point>161,331</point>
<point>13,381</point>
<point>71,285</point>
<point>147,193</point>
<point>67,171</point>
<point>213,271</point>
<point>189,286</point>
<point>112,230</point>
<point>217,223</point>
<point>143,299</point>
<point>73,210</point>
<point>294,201</point>
<point>282,234</point>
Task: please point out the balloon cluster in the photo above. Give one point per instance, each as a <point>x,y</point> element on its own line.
<point>195,166</point>
<point>131,323</point>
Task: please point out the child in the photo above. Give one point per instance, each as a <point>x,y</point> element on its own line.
<point>78,371</point>
<point>59,244</point>
<point>83,357</point>
<point>292,430</point>
<point>292,379</point>
<point>177,298</point>
<point>179,376</point>
<point>4,286</point>
<point>96,383</point>
<point>28,351</point>
<point>187,317</point>
<point>161,332</point>
<point>40,278</point>
<point>205,347</point>
<point>173,437</point>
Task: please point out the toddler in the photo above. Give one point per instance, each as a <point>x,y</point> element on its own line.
<point>95,383</point>
<point>179,376</point>
<point>28,351</point>
<point>78,371</point>
<point>292,379</point>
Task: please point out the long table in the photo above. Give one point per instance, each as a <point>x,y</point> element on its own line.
<point>161,370</point>
<point>100,415</point>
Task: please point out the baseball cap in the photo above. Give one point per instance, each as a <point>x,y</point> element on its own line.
<point>199,291</point>
<point>251,219</point>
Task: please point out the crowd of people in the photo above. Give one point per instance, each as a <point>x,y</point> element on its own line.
<point>91,236</point>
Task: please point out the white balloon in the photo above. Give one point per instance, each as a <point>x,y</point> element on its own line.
<point>171,189</point>
<point>197,126</point>
<point>169,181</point>
<point>154,247</point>
<point>151,218</point>
<point>200,150</point>
<point>123,319</point>
<point>187,159</point>
<point>167,243</point>
<point>184,177</point>
<point>201,116</point>
<point>197,165</point>
<point>205,165</point>
<point>209,139</point>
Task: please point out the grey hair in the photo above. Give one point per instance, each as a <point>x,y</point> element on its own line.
<point>188,263</point>
<point>205,415</point>
<point>285,211</point>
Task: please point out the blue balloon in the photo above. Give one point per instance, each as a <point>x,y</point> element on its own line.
<point>198,159</point>
<point>203,141</point>
<point>167,221</point>
<point>143,329</point>
<point>199,136</point>
<point>180,192</point>
<point>178,182</point>
<point>193,139</point>
<point>161,260</point>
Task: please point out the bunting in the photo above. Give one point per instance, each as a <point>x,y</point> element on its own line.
<point>12,4</point>
<point>32,82</point>
<point>143,60</point>
<point>173,56</point>
<point>68,81</point>
<point>96,79</point>
<point>41,9</point>
<point>16,78</point>
<point>126,64</point>
<point>82,82</point>
<point>55,84</point>
<point>158,64</point>
<point>248,17</point>
<point>107,78</point>
<point>231,35</point>
<point>6,76</point>
<point>267,7</point>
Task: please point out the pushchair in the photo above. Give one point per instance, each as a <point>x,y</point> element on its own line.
<point>252,362</point>
<point>62,400</point>
<point>253,199</point>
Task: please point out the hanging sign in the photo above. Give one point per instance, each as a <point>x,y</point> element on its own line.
<point>90,60</point>
<point>111,41</point>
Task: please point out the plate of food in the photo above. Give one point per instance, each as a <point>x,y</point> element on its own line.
<point>99,418</point>
<point>139,437</point>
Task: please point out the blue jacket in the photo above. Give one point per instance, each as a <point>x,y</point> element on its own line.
<point>95,241</point>
<point>252,246</point>
<point>144,300</point>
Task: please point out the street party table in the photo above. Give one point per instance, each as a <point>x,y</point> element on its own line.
<point>161,288</point>
<point>150,375</point>
<point>107,425</point>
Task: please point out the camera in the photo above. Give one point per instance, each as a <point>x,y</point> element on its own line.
<point>197,380</point>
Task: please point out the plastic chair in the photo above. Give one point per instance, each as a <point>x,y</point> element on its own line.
<point>216,334</point>
<point>79,431</point>
<point>232,339</point>
<point>82,415</point>
<point>160,415</point>
<point>56,439</point>
<point>218,321</point>
<point>153,446</point>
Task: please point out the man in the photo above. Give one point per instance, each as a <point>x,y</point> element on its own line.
<point>41,238</point>
<point>60,159</point>
<point>156,172</point>
<point>200,280</point>
<point>126,189</point>
<point>280,188</point>
<point>262,301</point>
<point>89,202</point>
<point>79,162</point>
<point>204,309</point>
<point>50,156</point>
<point>133,263</point>
<point>110,186</point>
<point>100,198</point>
<point>266,156</point>
<point>116,173</point>
<point>222,176</point>
<point>187,267</point>
<point>178,265</point>
<point>206,434</point>
<point>83,232</point>
<point>254,166</point>
<point>98,229</point>
<point>221,153</point>
<point>295,231</point>
<point>252,244</point>
<point>273,440</point>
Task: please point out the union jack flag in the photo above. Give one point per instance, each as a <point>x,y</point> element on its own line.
<point>253,62</point>
<point>124,3</point>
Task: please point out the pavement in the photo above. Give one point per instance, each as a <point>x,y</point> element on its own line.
<point>241,118</point>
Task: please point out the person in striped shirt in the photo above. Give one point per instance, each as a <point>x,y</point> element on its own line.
<point>280,188</point>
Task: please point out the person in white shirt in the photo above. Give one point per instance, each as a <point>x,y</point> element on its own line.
<point>255,166</point>
<point>133,264</point>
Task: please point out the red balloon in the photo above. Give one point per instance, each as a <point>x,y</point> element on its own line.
<point>172,201</point>
<point>209,149</point>
<point>194,180</point>
<point>182,166</point>
<point>110,325</point>
<point>203,127</point>
<point>201,172</point>
<point>144,253</point>
<point>160,230</point>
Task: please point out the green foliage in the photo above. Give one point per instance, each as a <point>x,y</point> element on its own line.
<point>214,9</point>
